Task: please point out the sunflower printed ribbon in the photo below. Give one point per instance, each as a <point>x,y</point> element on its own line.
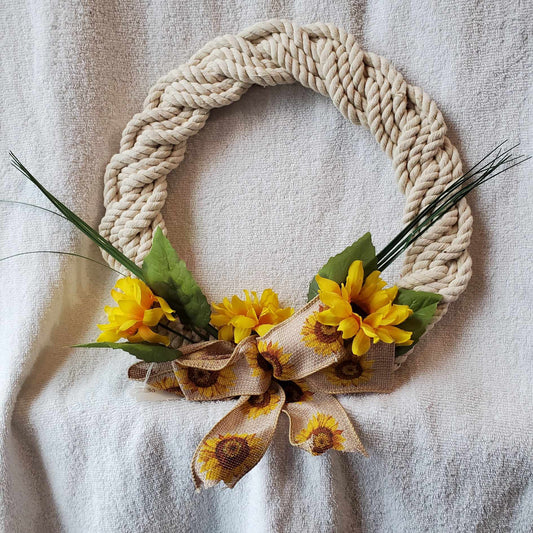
<point>296,367</point>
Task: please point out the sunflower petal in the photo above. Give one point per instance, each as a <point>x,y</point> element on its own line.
<point>164,305</point>
<point>384,335</point>
<point>130,308</point>
<point>354,280</point>
<point>397,315</point>
<point>269,299</point>
<point>153,316</point>
<point>327,285</point>
<point>331,299</point>
<point>127,324</point>
<point>218,319</point>
<point>243,322</point>
<point>225,333</point>
<point>242,333</point>
<point>151,336</point>
<point>263,329</point>
<point>349,327</point>
<point>399,336</point>
<point>108,336</point>
<point>328,318</point>
<point>361,343</point>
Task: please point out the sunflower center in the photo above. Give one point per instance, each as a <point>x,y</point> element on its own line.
<point>351,369</point>
<point>231,452</point>
<point>293,392</point>
<point>272,359</point>
<point>322,440</point>
<point>326,334</point>
<point>358,310</point>
<point>260,401</point>
<point>202,378</point>
<point>263,363</point>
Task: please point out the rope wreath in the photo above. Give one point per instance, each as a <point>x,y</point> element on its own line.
<point>366,89</point>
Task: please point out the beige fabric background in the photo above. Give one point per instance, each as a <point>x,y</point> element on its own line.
<point>270,189</point>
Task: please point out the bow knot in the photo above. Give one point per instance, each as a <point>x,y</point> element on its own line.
<point>297,368</point>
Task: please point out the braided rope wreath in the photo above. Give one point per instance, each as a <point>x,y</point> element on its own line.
<point>366,89</point>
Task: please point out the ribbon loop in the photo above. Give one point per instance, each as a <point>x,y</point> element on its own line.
<point>209,372</point>
<point>319,424</point>
<point>239,440</point>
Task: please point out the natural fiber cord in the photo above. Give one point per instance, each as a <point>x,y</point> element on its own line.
<point>363,86</point>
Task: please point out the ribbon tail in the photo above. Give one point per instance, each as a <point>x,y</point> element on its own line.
<point>239,440</point>
<point>319,424</point>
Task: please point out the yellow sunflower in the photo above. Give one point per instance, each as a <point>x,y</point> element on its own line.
<point>274,354</point>
<point>228,457</point>
<point>208,383</point>
<point>256,361</point>
<point>322,429</point>
<point>262,404</point>
<point>325,340</point>
<point>236,319</point>
<point>139,309</point>
<point>363,310</point>
<point>351,371</point>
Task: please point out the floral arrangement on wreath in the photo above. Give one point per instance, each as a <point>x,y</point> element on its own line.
<point>274,359</point>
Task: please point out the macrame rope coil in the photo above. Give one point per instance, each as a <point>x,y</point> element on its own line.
<point>365,88</point>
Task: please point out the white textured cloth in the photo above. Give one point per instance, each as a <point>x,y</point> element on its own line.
<point>271,187</point>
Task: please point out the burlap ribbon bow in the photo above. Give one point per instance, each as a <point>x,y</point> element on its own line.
<point>297,368</point>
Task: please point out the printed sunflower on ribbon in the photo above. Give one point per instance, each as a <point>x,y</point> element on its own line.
<point>272,358</point>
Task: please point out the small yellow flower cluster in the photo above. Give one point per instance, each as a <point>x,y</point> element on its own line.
<point>236,318</point>
<point>363,309</point>
<point>138,311</point>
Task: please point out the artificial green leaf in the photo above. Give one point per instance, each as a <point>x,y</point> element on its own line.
<point>151,353</point>
<point>337,267</point>
<point>166,274</point>
<point>424,306</point>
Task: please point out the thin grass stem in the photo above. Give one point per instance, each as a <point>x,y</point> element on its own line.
<point>458,183</point>
<point>164,326</point>
<point>441,208</point>
<point>104,244</point>
<point>60,253</point>
<point>33,205</point>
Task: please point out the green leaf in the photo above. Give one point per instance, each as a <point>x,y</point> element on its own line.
<point>337,267</point>
<point>151,353</point>
<point>166,274</point>
<point>424,305</point>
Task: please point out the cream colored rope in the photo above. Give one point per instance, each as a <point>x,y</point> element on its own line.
<point>366,89</point>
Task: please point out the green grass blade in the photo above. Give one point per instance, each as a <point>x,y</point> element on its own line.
<point>104,244</point>
<point>446,206</point>
<point>60,253</point>
<point>488,167</point>
<point>32,205</point>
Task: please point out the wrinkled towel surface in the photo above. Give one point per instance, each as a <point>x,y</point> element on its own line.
<point>272,187</point>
